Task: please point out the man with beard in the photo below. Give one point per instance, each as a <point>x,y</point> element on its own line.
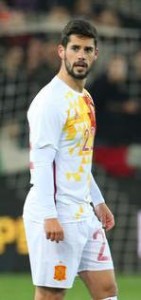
<point>65,214</point>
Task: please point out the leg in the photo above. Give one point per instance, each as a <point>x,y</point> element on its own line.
<point>46,293</point>
<point>96,267</point>
<point>101,284</point>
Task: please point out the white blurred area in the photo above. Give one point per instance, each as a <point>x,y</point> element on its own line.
<point>13,158</point>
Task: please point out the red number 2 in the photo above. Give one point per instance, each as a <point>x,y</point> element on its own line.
<point>88,134</point>
<point>101,256</point>
<point>85,148</point>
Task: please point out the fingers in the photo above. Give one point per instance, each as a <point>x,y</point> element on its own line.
<point>110,223</point>
<point>55,236</point>
<point>53,230</point>
<point>107,221</point>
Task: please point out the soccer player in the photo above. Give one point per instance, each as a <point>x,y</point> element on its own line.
<point>65,214</point>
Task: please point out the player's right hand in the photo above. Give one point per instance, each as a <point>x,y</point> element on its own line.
<point>53,230</point>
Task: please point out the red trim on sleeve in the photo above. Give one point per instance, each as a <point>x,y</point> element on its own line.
<point>54,176</point>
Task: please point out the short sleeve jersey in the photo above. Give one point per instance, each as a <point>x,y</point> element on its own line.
<point>64,119</point>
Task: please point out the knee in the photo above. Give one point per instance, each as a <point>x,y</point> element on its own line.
<point>110,289</point>
<point>106,290</point>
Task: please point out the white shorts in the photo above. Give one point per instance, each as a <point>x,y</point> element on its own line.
<point>85,247</point>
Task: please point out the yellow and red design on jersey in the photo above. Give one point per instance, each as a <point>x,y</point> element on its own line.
<point>79,132</point>
<point>60,272</point>
<point>88,100</point>
<point>79,213</point>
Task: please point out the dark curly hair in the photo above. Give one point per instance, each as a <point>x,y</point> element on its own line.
<point>79,27</point>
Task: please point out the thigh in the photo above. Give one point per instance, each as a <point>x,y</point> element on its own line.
<point>54,264</point>
<point>96,266</point>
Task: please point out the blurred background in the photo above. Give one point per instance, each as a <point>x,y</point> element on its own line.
<point>29,34</point>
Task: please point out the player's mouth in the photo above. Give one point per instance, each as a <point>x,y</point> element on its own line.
<point>81,64</point>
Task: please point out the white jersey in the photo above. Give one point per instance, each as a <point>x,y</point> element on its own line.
<point>64,120</point>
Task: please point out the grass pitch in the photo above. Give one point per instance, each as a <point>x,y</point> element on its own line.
<point>19,287</point>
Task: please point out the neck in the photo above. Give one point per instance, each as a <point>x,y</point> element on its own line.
<point>75,84</point>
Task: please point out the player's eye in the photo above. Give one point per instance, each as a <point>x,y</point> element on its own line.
<point>89,49</point>
<point>75,48</point>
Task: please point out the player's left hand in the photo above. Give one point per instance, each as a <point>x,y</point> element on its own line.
<point>105,216</point>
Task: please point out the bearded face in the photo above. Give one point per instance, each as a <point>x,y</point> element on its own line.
<point>78,70</point>
<point>79,55</point>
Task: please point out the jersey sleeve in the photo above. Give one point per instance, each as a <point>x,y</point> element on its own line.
<point>46,120</point>
<point>95,192</point>
<point>43,180</point>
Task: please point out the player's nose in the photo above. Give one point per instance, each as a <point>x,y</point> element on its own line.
<point>81,54</point>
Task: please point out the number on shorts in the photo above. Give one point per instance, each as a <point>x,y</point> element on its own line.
<point>101,256</point>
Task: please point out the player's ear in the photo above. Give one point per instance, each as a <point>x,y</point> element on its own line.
<point>61,51</point>
<point>96,53</point>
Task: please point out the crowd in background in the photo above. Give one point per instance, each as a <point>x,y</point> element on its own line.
<point>112,13</point>
<point>28,62</point>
